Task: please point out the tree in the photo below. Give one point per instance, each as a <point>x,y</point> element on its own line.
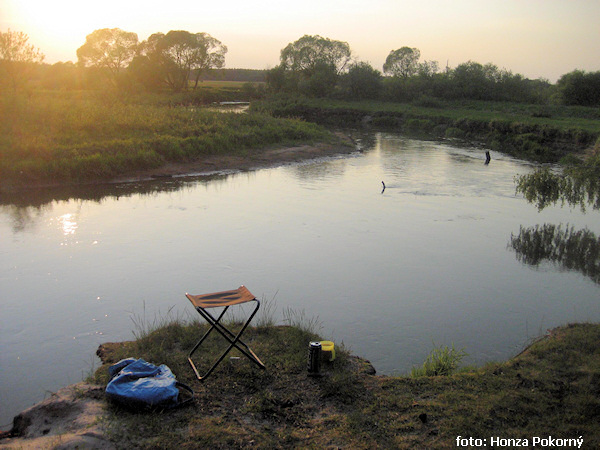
<point>321,82</point>
<point>472,80</point>
<point>17,56</point>
<point>310,52</point>
<point>175,56</point>
<point>111,49</point>
<point>311,65</point>
<point>61,75</point>
<point>580,88</point>
<point>362,81</point>
<point>402,62</point>
<point>428,69</point>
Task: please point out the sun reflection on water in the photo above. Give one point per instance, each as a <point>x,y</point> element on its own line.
<point>68,224</point>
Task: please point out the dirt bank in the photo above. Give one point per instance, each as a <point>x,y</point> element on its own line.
<point>68,419</point>
<point>78,416</point>
<point>254,159</point>
<point>270,157</point>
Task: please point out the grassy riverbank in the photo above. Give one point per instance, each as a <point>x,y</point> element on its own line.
<point>54,136</point>
<point>550,389</point>
<point>49,137</point>
<point>543,133</point>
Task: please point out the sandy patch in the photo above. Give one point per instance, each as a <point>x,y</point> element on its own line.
<point>68,419</point>
<point>256,159</point>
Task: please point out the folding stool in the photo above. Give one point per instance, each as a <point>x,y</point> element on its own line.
<point>224,300</point>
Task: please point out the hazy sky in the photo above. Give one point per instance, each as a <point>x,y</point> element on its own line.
<point>537,38</point>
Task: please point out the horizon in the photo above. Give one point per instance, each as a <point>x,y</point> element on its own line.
<point>511,34</point>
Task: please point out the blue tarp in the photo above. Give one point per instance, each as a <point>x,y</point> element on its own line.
<point>135,382</point>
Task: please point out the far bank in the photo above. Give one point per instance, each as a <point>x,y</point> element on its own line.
<point>540,133</point>
<point>52,138</point>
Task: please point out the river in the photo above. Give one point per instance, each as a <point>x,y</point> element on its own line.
<point>390,274</point>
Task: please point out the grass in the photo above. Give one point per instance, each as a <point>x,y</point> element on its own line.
<point>551,389</point>
<point>80,136</point>
<point>565,117</point>
<point>544,133</point>
<point>442,360</point>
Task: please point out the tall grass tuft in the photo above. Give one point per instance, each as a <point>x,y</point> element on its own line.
<point>442,360</point>
<point>266,314</point>
<point>298,319</point>
<point>143,326</point>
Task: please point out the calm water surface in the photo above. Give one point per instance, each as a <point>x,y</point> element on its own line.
<point>389,274</point>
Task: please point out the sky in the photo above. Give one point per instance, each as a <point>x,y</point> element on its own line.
<point>536,38</point>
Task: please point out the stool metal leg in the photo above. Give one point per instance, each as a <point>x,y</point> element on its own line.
<point>234,340</point>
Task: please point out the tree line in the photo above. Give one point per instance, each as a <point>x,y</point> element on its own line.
<point>320,67</point>
<point>313,66</point>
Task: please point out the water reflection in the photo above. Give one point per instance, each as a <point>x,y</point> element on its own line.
<point>38,198</point>
<point>319,170</point>
<point>566,247</point>
<point>23,218</point>
<point>577,188</point>
<point>68,223</point>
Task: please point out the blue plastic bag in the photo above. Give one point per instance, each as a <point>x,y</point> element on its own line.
<point>137,383</point>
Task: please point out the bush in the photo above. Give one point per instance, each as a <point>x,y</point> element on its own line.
<point>580,88</point>
<point>419,125</point>
<point>441,361</point>
<point>455,133</point>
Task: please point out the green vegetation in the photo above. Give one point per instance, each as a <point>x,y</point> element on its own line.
<point>551,388</point>
<point>320,67</point>
<point>175,58</point>
<point>442,360</point>
<point>17,58</point>
<point>536,132</point>
<point>110,115</point>
<point>82,136</point>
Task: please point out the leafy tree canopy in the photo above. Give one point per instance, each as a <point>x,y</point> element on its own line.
<point>580,88</point>
<point>310,52</point>
<point>174,56</point>
<point>16,54</point>
<point>362,81</point>
<point>108,48</point>
<point>403,62</point>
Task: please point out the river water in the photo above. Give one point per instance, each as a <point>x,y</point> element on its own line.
<point>390,274</point>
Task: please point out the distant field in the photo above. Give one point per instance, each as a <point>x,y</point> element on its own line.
<point>561,117</point>
<point>228,85</point>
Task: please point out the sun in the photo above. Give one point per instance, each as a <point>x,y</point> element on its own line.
<point>61,26</point>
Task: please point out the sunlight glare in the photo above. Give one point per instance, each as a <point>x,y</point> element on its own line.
<point>68,223</point>
<point>66,23</point>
